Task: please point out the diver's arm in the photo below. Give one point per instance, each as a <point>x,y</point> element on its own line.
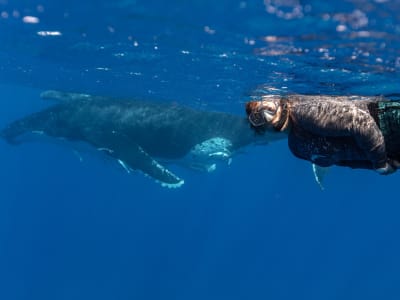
<point>338,118</point>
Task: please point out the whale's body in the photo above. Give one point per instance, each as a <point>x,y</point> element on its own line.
<point>140,134</point>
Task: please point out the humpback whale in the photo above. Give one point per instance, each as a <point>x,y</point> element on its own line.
<point>141,135</point>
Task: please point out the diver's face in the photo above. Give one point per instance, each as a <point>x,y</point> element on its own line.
<point>263,113</point>
<point>269,110</point>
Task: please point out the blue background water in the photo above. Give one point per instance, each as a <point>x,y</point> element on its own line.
<point>258,229</point>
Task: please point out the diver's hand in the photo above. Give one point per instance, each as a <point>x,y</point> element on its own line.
<point>389,168</point>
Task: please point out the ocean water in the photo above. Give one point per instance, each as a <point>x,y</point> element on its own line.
<point>260,228</point>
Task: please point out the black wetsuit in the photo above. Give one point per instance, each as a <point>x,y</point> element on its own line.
<point>358,132</point>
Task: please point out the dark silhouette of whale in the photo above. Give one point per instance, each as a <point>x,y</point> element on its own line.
<point>141,135</point>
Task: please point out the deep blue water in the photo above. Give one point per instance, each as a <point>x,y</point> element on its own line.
<point>258,229</point>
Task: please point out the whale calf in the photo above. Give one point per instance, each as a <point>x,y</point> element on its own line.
<point>142,135</point>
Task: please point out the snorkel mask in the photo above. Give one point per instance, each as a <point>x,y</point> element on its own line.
<point>268,113</point>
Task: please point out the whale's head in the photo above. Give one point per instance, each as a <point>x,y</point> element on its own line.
<point>207,155</point>
<point>271,113</point>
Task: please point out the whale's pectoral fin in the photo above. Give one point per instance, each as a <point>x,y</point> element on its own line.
<point>138,159</point>
<point>132,157</point>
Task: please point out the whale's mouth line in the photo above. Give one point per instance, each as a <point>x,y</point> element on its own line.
<point>204,156</point>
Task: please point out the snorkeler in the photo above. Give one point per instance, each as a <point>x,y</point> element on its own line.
<point>352,131</point>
